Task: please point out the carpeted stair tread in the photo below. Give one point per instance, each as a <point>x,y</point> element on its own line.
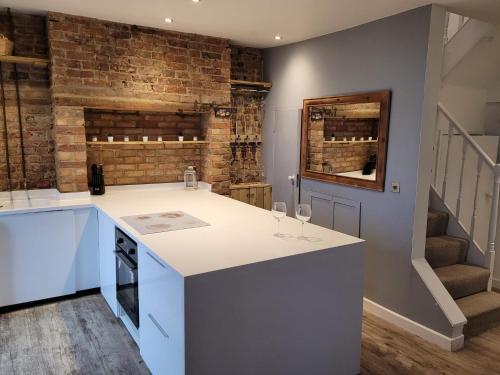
<point>462,280</point>
<point>437,222</point>
<point>445,251</point>
<point>482,311</point>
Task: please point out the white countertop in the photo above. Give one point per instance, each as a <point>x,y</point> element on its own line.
<point>238,234</point>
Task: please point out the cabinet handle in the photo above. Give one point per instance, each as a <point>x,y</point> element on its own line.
<point>156,260</point>
<point>155,322</point>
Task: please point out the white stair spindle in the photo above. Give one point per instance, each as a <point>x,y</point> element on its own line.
<point>492,230</point>
<point>447,162</point>
<point>460,183</point>
<point>476,191</point>
<point>436,161</point>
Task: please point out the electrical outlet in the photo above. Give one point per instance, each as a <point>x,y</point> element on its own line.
<point>395,187</point>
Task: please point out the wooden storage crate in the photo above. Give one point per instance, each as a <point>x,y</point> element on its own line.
<point>6,46</point>
<point>256,194</point>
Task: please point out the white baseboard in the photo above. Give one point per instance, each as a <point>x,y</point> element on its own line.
<point>448,343</point>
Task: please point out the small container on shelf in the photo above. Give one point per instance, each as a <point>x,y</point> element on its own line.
<point>180,137</point>
<point>190,179</point>
<point>126,139</point>
<point>353,139</point>
<point>145,138</point>
<point>6,46</point>
<point>110,138</point>
<point>370,138</point>
<point>94,139</point>
<point>159,139</point>
<point>195,138</point>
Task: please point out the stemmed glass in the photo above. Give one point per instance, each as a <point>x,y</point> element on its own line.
<point>279,212</point>
<point>303,213</point>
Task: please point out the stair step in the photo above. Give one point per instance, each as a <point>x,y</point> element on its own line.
<point>482,311</point>
<point>437,222</point>
<point>445,250</point>
<point>462,280</point>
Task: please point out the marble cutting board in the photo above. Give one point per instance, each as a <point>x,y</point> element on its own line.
<point>163,222</point>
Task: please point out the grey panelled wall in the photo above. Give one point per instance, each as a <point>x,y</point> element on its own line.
<point>390,53</point>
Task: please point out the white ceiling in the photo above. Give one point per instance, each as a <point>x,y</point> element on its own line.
<point>252,22</point>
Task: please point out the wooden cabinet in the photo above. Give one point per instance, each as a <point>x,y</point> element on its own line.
<point>161,315</point>
<point>107,262</point>
<point>37,252</point>
<point>259,195</point>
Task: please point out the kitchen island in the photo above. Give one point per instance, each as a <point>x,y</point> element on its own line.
<point>230,297</point>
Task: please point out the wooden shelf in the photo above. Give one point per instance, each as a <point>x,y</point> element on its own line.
<point>250,87</point>
<point>166,143</point>
<point>248,185</point>
<point>345,142</point>
<point>37,62</point>
<point>263,85</point>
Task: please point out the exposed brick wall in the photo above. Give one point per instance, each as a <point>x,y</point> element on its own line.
<point>70,149</point>
<point>332,157</point>
<point>96,60</point>
<point>135,124</point>
<point>346,157</point>
<point>31,40</point>
<point>105,59</point>
<point>246,63</point>
<point>144,163</point>
<point>216,155</point>
<point>315,145</point>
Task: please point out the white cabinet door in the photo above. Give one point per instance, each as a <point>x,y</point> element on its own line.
<point>107,263</point>
<point>87,258</point>
<point>161,312</point>
<point>37,256</point>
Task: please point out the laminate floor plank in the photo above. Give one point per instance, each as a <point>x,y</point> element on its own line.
<point>81,336</point>
<point>75,336</point>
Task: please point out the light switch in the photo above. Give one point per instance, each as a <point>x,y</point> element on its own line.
<point>395,187</point>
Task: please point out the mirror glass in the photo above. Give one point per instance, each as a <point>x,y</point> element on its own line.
<point>344,139</point>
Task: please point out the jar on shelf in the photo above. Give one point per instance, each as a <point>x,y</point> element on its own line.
<point>190,179</point>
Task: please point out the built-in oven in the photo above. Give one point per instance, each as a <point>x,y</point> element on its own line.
<point>127,286</point>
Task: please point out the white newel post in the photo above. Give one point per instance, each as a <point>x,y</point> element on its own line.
<point>492,231</point>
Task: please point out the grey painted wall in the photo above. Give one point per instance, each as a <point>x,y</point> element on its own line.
<point>390,53</point>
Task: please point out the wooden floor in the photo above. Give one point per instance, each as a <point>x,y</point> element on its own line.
<point>81,336</point>
<point>76,336</point>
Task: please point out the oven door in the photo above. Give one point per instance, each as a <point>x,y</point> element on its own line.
<point>127,291</point>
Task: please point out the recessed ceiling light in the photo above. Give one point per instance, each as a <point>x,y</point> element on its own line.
<point>169,20</point>
<point>196,1</point>
<point>277,37</point>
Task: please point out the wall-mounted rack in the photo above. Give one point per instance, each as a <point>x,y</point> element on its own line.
<point>34,61</point>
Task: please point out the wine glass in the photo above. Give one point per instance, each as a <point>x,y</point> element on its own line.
<point>303,213</point>
<point>279,212</point>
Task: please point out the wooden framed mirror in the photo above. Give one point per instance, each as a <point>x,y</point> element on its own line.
<point>344,139</point>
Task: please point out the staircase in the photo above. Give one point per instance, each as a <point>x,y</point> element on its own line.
<point>466,283</point>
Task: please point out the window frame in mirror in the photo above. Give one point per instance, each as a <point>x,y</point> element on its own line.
<point>382,97</point>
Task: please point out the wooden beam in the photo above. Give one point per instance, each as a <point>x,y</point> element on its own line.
<point>38,62</point>
<point>264,85</point>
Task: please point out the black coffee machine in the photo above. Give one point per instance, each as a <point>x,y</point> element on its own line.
<point>97,180</point>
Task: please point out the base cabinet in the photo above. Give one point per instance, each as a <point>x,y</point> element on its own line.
<point>107,263</point>
<point>258,195</point>
<point>161,315</point>
<point>37,252</point>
